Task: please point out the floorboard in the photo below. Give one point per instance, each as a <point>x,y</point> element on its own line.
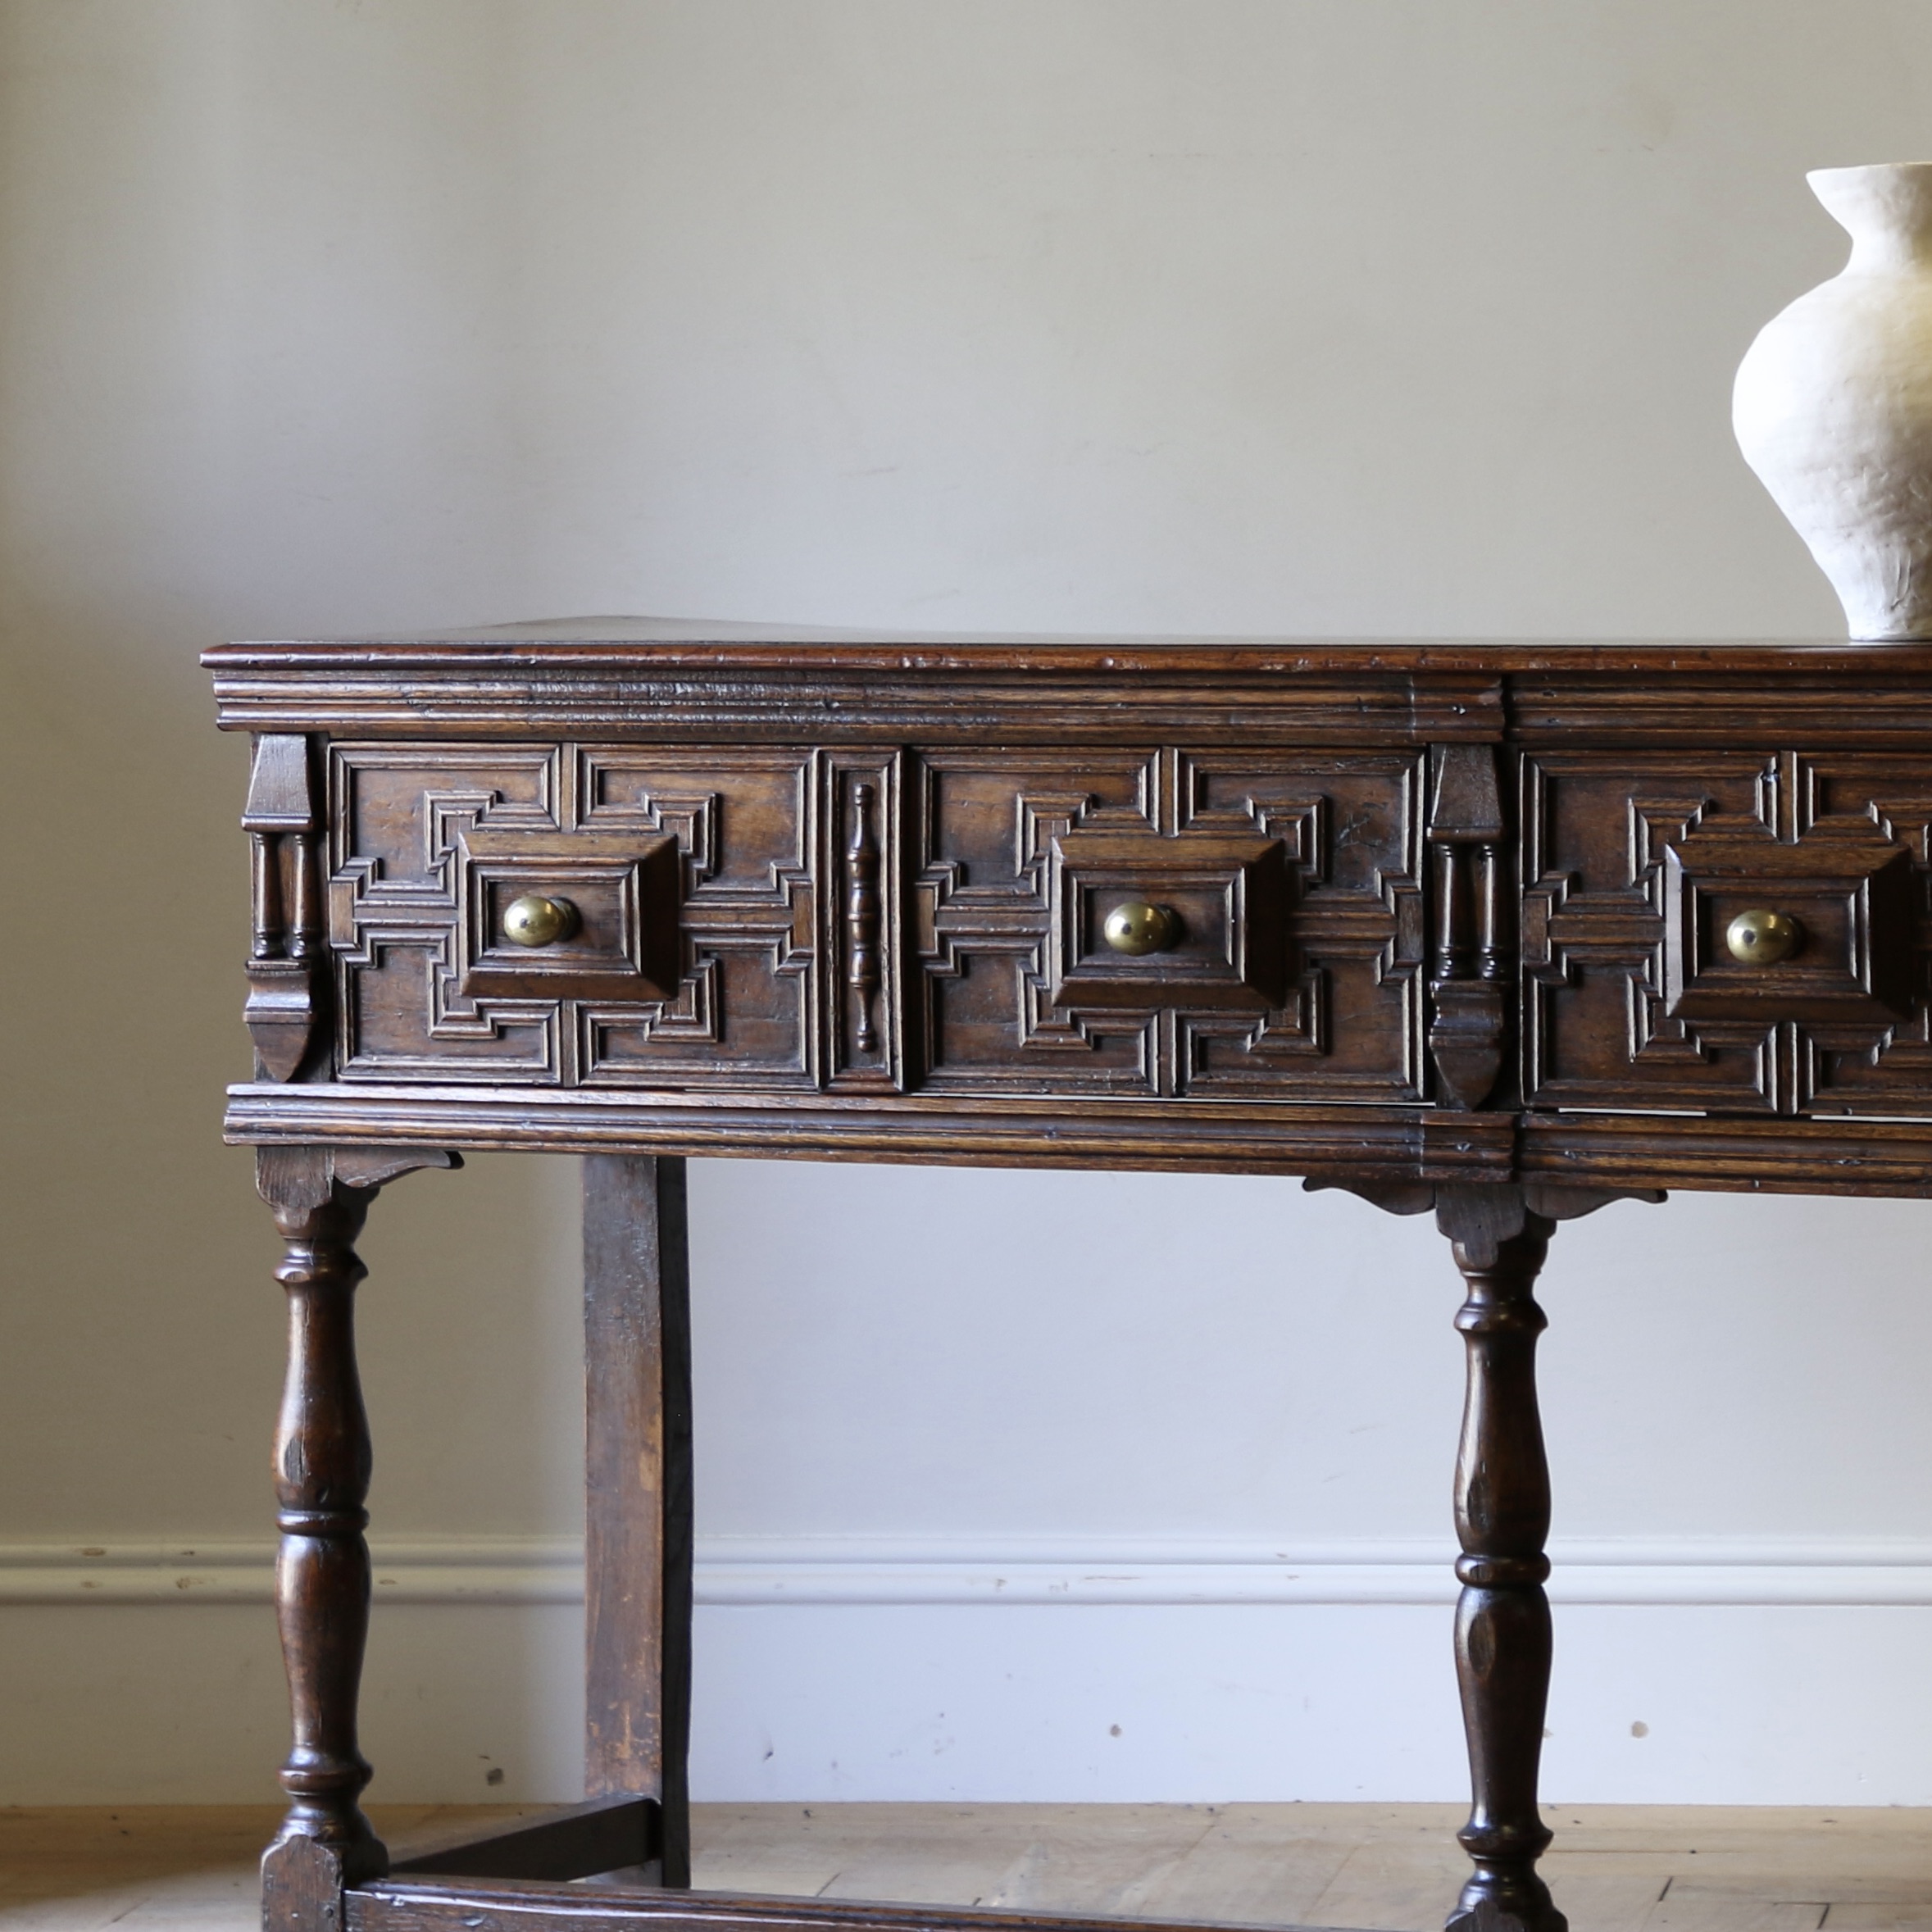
<point>1380,1868</point>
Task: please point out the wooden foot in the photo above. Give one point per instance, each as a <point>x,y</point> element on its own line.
<point>637,1343</point>
<point>319,1197</point>
<point>302,1882</point>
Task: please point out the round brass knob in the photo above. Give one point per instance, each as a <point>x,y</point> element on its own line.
<point>534,920</point>
<point>1138,927</point>
<point>1759,937</point>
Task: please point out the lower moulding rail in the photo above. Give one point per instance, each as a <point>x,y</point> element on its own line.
<point>396,1905</point>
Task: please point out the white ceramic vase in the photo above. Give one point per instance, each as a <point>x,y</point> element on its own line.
<point>1833,406</point>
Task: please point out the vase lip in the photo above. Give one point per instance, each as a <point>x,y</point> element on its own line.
<point>1820,177</point>
<point>1886,208</point>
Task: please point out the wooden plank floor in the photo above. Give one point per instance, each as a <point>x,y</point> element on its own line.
<point>1388,1868</point>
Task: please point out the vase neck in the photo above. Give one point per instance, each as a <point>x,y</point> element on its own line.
<point>1887,210</point>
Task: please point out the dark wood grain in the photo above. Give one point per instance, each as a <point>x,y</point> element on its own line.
<point>304,1882</point>
<point>1502,1518</point>
<point>775,647</point>
<point>1476,904</point>
<point>862,917</point>
<point>636,1342</point>
<point>398,1905</point>
<point>580,1841</point>
<point>285,1009</point>
<point>1499,1236</point>
<point>320,1198</point>
<point>1447,930</point>
<point>1468,972</point>
<point>995,1130</point>
<point>1633,863</point>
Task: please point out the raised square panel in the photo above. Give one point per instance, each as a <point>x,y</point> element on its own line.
<point>622,889</point>
<point>1227,897</point>
<point>1848,890</point>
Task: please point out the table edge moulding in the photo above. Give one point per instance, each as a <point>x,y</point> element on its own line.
<point>1503,931</point>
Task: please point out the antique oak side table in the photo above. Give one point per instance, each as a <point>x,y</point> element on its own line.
<point>1503,932</point>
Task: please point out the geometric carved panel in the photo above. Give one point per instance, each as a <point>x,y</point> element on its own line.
<point>396,814</point>
<point>1294,879</point>
<point>1888,1070</point>
<point>692,874</point>
<point>744,821</point>
<point>1634,863</point>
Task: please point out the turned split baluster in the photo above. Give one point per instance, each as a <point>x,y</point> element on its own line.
<point>862,916</point>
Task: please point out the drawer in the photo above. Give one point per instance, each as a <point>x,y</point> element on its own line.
<point>1635,866</point>
<point>776,918</point>
<point>1294,966</point>
<point>694,886</point>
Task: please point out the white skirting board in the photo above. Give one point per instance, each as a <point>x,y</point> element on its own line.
<point>749,1572</point>
<point>888,1669</point>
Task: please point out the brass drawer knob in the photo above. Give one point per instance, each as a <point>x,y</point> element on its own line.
<point>1759,937</point>
<point>1138,927</point>
<point>534,920</point>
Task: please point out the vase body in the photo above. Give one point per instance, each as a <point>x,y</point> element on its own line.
<point>1833,406</point>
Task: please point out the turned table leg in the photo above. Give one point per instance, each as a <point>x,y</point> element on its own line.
<point>1500,1232</point>
<point>319,1197</point>
<point>1503,1620</point>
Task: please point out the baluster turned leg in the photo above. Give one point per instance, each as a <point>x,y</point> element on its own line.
<point>1502,1621</point>
<point>319,1197</point>
<point>322,1579</point>
<point>1501,1233</point>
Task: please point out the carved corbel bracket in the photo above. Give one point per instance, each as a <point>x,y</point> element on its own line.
<point>298,1182</point>
<point>1468,965</point>
<point>1479,1217</point>
<point>286,951</point>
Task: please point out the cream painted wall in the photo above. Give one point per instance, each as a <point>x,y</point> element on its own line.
<point>1364,316</point>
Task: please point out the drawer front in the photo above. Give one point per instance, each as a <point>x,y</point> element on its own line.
<point>697,883</point>
<point>1292,883</point>
<point>788,918</point>
<point>1636,865</point>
